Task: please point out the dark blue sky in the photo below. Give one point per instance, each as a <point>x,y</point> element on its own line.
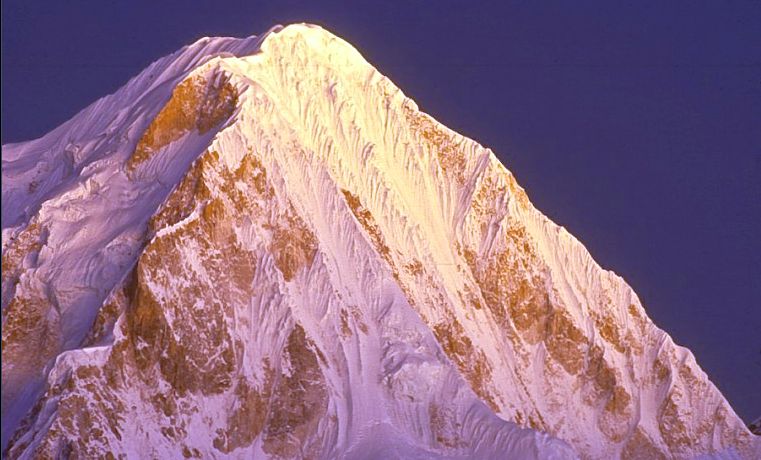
<point>637,126</point>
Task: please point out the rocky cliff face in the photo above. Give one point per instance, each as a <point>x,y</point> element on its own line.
<point>262,248</point>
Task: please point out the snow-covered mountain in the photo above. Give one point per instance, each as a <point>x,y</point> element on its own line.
<point>261,248</point>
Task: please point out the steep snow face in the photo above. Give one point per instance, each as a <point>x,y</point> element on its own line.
<point>271,252</point>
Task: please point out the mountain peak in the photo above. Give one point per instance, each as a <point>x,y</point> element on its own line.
<point>260,247</point>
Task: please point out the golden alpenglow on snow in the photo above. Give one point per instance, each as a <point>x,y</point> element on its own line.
<point>260,248</point>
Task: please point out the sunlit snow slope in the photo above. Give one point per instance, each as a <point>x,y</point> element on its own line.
<point>261,248</point>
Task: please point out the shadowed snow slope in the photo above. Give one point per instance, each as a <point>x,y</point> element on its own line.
<point>261,248</point>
